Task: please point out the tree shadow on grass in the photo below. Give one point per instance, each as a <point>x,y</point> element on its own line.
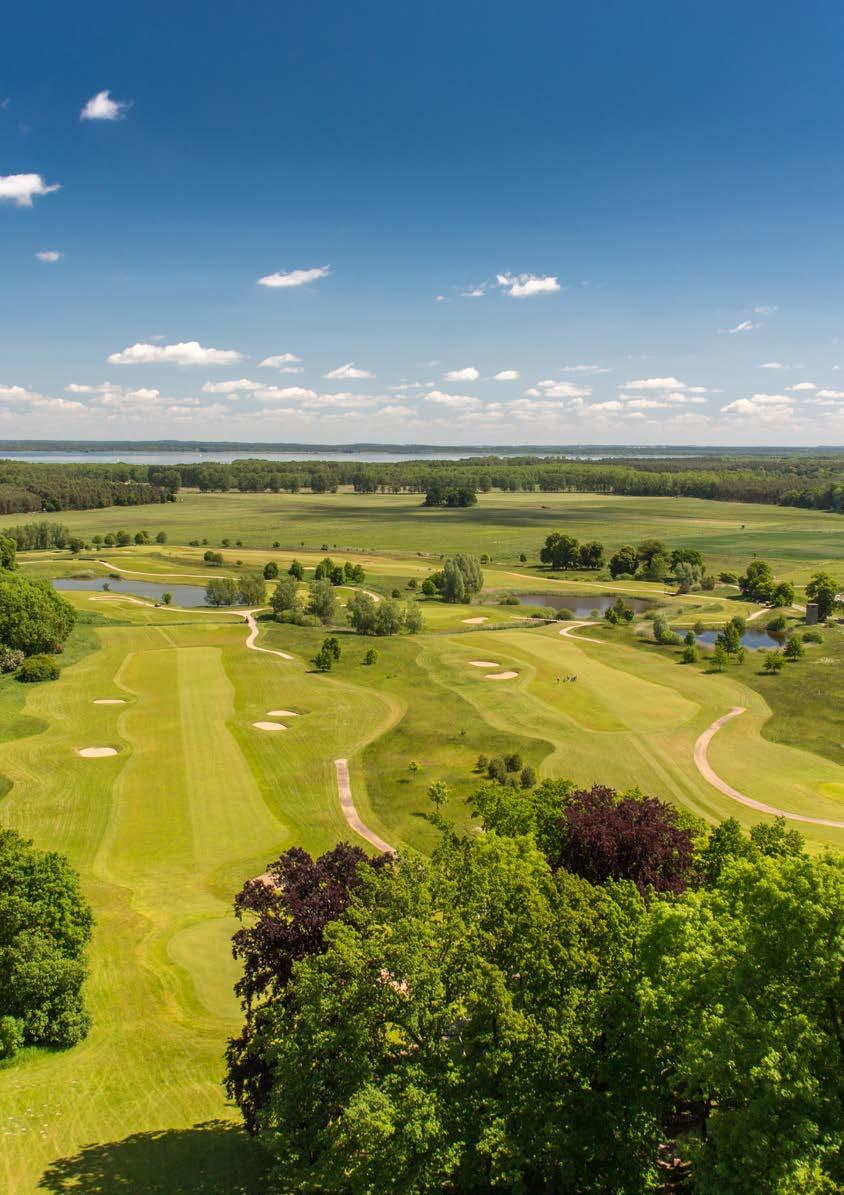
<point>214,1158</point>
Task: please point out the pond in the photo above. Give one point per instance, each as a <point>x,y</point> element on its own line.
<point>183,595</point>
<point>582,604</point>
<point>752,639</point>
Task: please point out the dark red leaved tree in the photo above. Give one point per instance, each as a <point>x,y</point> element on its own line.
<point>285,913</point>
<point>607,837</point>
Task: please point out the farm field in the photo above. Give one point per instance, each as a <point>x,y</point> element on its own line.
<point>197,799</point>
<point>794,541</point>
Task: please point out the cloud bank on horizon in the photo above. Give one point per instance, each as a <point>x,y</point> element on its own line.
<point>582,290</point>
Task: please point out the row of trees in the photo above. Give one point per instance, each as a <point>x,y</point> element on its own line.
<point>457,581</point>
<point>565,552</point>
<point>596,994</point>
<point>248,589</point>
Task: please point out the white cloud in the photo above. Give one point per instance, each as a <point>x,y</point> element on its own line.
<point>440,299</point>
<point>16,394</point>
<point>522,286</point>
<point>291,278</point>
<point>506,375</point>
<point>758,404</point>
<point>231,387</point>
<point>830,394</point>
<point>583,369</point>
<point>612,405</point>
<point>347,372</point>
<point>102,107</point>
<point>457,401</point>
<point>285,394</point>
<point>551,389</point>
<point>48,255</point>
<point>21,189</point>
<point>803,386</point>
<point>773,365</point>
<point>344,400</point>
<point>143,394</point>
<point>283,362</point>
<point>746,325</point>
<point>765,309</point>
<point>655,384</point>
<point>468,374</point>
<point>189,352</point>
<point>645,404</point>
<point>395,410</point>
<point>475,292</point>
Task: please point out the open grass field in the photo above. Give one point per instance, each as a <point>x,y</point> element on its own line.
<point>197,799</point>
<point>501,525</point>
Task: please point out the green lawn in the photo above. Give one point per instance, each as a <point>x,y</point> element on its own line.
<point>197,799</point>
<point>502,525</point>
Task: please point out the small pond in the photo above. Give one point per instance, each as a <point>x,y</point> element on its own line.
<point>582,604</point>
<point>183,595</point>
<point>752,639</point>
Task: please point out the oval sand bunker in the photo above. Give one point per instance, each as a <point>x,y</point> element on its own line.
<point>500,675</point>
<point>475,621</point>
<point>282,714</point>
<point>268,726</point>
<point>109,701</point>
<point>95,752</point>
<point>484,663</point>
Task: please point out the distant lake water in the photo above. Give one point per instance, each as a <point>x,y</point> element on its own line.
<point>224,457</point>
<point>751,639</point>
<point>582,604</point>
<point>183,595</point>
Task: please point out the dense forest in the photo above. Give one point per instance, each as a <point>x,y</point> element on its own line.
<point>794,479</point>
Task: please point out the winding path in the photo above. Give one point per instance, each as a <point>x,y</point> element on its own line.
<point>566,632</point>
<point>712,777</point>
<point>344,791</point>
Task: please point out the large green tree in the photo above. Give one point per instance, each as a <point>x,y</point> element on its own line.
<point>823,589</point>
<point>33,616</point>
<point>45,924</point>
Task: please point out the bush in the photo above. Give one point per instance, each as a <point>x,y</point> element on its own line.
<point>371,656</point>
<point>528,777</point>
<point>690,654</point>
<point>497,769</point>
<point>794,649</point>
<point>812,637</point>
<point>482,764</point>
<point>37,668</point>
<point>774,661</point>
<point>513,762</point>
<point>777,624</point>
<point>11,659</point>
<point>509,599</point>
<point>33,616</point>
<point>565,615</point>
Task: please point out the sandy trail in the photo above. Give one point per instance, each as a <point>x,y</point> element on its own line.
<point>115,568</point>
<point>344,790</point>
<point>703,766</point>
<point>566,632</point>
<point>756,614</point>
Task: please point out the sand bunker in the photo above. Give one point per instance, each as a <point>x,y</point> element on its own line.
<point>96,752</point>
<point>109,701</point>
<point>268,726</point>
<point>282,714</point>
<point>475,621</point>
<point>484,664</point>
<point>500,675</point>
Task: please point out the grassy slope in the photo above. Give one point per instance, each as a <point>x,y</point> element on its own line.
<point>503,525</point>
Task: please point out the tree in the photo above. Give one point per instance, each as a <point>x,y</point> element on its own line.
<point>322,600</point>
<point>323,661</point>
<point>285,601</point>
<point>429,589</point>
<point>462,576</point>
<point>161,537</point>
<point>45,925</point>
<point>656,568</point>
<point>688,576</point>
<point>413,620</point>
<point>720,657</point>
<point>691,655</point>
<point>591,555</point>
<point>794,649</point>
<point>740,997</point>
<point>332,646</point>
<point>270,570</point>
<point>773,662</point>
<point>782,594</point>
<point>823,589</point>
<point>371,656</point>
<point>561,551</point>
<point>251,589</point>
<point>33,616</point>
<point>610,837</point>
<point>284,915</point>
<point>648,549</point>
<point>389,617</point>
<point>454,585</point>
<point>624,562</point>
<point>167,598</point>
<point>296,571</point>
<point>426,1017</point>
<point>221,591</point>
<point>528,777</point>
<point>7,552</point>
<point>757,582</point>
<point>361,610</point>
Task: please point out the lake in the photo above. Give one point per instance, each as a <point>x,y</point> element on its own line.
<point>183,595</point>
<point>582,604</point>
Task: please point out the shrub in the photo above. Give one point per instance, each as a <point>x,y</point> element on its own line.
<point>497,769</point>
<point>33,616</point>
<point>794,649</point>
<point>513,762</point>
<point>509,599</point>
<point>37,668</point>
<point>10,659</point>
<point>777,624</point>
<point>528,777</point>
<point>812,637</point>
<point>371,656</point>
<point>565,615</point>
<point>774,661</point>
<point>482,764</point>
<point>690,653</point>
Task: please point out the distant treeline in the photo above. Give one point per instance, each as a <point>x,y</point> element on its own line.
<point>26,487</point>
<point>815,482</point>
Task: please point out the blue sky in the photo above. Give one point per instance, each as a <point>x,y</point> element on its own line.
<point>634,208</point>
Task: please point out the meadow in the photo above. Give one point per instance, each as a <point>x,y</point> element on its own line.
<point>197,799</point>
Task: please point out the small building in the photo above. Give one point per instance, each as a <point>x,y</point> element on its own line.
<point>812,613</point>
